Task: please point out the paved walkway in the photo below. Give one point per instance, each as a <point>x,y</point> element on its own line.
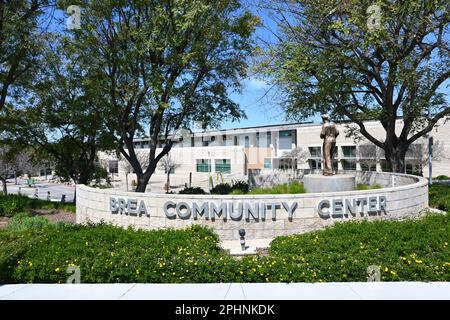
<point>252,246</point>
<point>56,190</point>
<point>233,291</point>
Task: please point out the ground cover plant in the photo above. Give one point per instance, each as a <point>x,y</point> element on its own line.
<point>411,250</point>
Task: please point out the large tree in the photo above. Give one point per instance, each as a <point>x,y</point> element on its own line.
<point>22,32</point>
<point>159,64</point>
<point>58,119</point>
<point>364,60</point>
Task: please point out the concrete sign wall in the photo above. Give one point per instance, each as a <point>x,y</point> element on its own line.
<point>262,216</point>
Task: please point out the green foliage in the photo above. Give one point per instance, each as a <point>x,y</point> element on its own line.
<point>412,250</point>
<point>240,185</point>
<point>192,190</point>
<point>329,59</point>
<point>108,254</point>
<point>221,188</point>
<point>22,222</point>
<point>442,177</point>
<point>183,75</point>
<point>291,188</point>
<point>368,187</point>
<point>439,197</point>
<point>13,204</point>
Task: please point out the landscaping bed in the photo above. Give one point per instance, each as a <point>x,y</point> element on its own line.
<point>12,205</point>
<point>411,250</point>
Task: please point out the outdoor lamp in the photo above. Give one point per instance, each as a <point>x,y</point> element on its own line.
<point>242,234</point>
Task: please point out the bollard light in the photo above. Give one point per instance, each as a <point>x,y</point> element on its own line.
<point>242,241</point>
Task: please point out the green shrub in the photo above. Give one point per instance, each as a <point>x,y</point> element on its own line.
<point>221,188</point>
<point>292,188</point>
<point>107,254</point>
<point>12,204</point>
<point>439,197</point>
<point>22,221</point>
<point>442,177</point>
<point>240,185</point>
<point>192,190</point>
<point>368,187</point>
<point>411,250</point>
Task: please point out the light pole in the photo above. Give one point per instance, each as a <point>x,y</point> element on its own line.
<point>430,153</point>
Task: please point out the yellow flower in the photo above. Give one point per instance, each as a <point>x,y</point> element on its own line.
<point>57,269</point>
<point>30,263</point>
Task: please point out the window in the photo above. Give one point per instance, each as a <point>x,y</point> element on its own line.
<point>385,166</point>
<point>113,167</point>
<point>192,142</point>
<point>286,163</point>
<point>349,152</point>
<point>257,139</point>
<point>236,140</point>
<point>367,151</point>
<point>203,165</point>
<point>224,137</point>
<point>223,165</point>
<point>267,163</point>
<point>368,165</point>
<point>269,139</point>
<point>413,168</point>
<point>285,138</point>
<point>348,165</point>
<point>315,152</point>
<point>247,141</point>
<point>315,164</point>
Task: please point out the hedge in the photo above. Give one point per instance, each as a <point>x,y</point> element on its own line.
<point>412,250</point>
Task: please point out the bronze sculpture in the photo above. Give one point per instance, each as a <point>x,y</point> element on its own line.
<point>328,134</point>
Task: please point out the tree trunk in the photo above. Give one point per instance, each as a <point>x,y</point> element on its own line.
<point>5,188</point>
<point>142,181</point>
<point>395,156</point>
<point>168,181</point>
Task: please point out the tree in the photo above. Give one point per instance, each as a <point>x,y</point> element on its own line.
<point>12,163</point>
<point>141,156</point>
<point>298,155</point>
<point>361,61</point>
<point>160,65</point>
<point>168,165</point>
<point>21,41</point>
<point>59,121</point>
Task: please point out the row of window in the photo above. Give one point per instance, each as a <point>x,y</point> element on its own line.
<point>366,165</point>
<point>221,165</point>
<point>365,152</point>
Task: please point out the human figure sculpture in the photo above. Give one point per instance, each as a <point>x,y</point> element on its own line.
<point>328,134</point>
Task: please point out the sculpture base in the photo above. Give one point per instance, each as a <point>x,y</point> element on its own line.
<point>318,183</point>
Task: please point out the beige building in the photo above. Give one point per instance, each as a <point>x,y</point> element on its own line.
<point>202,158</point>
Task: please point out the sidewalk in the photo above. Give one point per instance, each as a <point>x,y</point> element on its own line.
<point>231,291</point>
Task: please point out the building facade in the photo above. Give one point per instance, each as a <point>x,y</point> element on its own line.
<point>209,157</point>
